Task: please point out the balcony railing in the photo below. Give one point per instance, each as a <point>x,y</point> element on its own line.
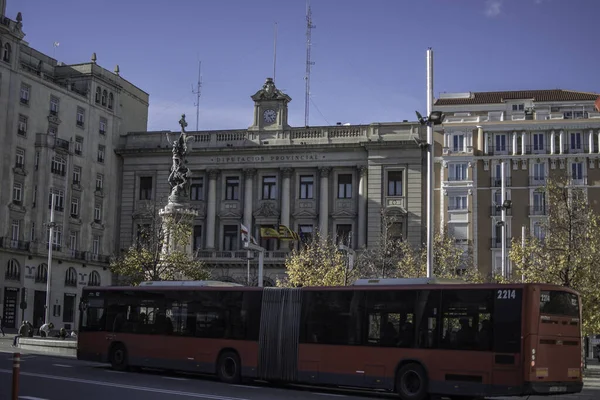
<point>8,243</point>
<point>496,243</point>
<point>90,256</point>
<point>496,211</point>
<point>77,255</point>
<point>497,182</point>
<point>579,180</point>
<point>61,144</point>
<point>537,181</point>
<point>538,210</point>
<point>492,150</point>
<point>239,255</point>
<point>58,171</point>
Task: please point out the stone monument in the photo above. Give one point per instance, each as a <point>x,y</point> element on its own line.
<point>178,209</point>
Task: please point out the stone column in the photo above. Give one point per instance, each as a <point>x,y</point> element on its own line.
<point>514,143</point>
<point>561,142</point>
<point>249,178</point>
<point>211,209</point>
<point>286,196</point>
<point>552,142</point>
<point>362,206</point>
<point>598,141</point>
<point>324,202</point>
<point>591,141</point>
<point>486,141</point>
<point>524,143</point>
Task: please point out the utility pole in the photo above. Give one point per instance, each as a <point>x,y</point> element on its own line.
<point>309,63</point>
<point>430,177</point>
<point>198,91</point>
<point>503,215</point>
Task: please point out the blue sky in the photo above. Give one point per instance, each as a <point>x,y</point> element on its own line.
<point>369,55</point>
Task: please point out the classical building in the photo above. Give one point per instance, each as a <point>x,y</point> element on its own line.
<point>335,179</point>
<point>58,127</point>
<point>539,133</point>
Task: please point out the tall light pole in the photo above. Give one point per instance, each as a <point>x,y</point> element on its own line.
<point>49,275</point>
<point>506,205</point>
<point>429,211</point>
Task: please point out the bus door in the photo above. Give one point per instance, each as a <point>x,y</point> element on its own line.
<point>507,332</point>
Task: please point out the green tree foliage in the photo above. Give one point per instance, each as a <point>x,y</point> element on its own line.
<point>159,251</point>
<point>569,251</point>
<point>449,260</point>
<point>319,262</point>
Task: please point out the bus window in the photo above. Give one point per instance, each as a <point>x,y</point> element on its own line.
<point>92,314</point>
<point>466,319</point>
<point>427,311</point>
<point>332,317</point>
<point>559,303</point>
<point>391,318</point>
<point>507,320</point>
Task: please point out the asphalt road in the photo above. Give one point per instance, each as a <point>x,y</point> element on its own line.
<point>53,378</point>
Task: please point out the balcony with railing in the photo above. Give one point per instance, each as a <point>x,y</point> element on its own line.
<point>51,141</point>
<point>496,243</point>
<point>497,182</point>
<point>538,210</point>
<point>90,256</point>
<point>496,211</point>
<point>578,180</point>
<point>238,255</point>
<point>537,180</point>
<point>20,245</point>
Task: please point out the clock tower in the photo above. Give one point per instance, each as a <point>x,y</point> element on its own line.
<point>270,108</point>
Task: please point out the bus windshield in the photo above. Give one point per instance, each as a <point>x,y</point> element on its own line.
<point>559,303</point>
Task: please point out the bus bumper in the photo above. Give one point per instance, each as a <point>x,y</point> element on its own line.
<point>552,388</point>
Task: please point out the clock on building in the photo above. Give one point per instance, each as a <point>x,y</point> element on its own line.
<point>269,116</point>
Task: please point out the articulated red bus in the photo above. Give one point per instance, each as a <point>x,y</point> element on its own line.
<point>412,336</point>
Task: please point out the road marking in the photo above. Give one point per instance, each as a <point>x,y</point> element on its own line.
<point>123,386</point>
<point>110,371</point>
<point>62,365</point>
<point>328,394</point>
<point>246,386</point>
<point>31,398</point>
<point>175,378</point>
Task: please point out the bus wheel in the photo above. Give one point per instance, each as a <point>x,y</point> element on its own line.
<point>411,382</point>
<point>118,357</point>
<point>229,367</point>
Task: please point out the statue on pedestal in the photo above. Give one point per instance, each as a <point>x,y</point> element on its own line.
<point>180,175</point>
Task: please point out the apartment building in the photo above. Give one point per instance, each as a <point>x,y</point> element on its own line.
<point>538,133</point>
<point>335,179</point>
<point>59,125</point>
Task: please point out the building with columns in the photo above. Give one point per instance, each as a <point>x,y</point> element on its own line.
<point>59,125</point>
<point>538,133</point>
<point>335,179</point>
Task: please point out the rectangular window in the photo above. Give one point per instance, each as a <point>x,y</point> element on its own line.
<point>74,207</point>
<point>197,237</point>
<point>17,193</point>
<point>538,231</point>
<point>577,171</point>
<point>458,143</point>
<point>539,172</point>
<point>103,125</point>
<point>54,105</point>
<point>32,232</point>
<point>57,239</point>
<point>58,165</point>
<point>459,232</point>
<point>500,142</point>
<point>553,302</point>
<point>73,242</point>
<point>343,234</point>
<point>306,186</point>
<point>80,116</point>
<point>232,188</point>
<point>145,188</point>
<point>518,107</point>
<point>34,196</point>
<point>230,237</point>
<point>197,189</point>
<point>78,145</point>
<point>396,231</point>
<point>101,153</point>
<point>22,125</point>
<point>457,203</point>
<point>344,186</point>
<point>394,183</point>
<point>391,318</point>
<point>96,242</point>
<point>539,202</point>
<point>458,172</point>
<point>467,319</point>
<point>538,141</point>
<point>20,158</point>
<point>576,141</point>
<point>15,229</point>
<point>59,199</point>
<point>305,232</point>
<point>269,187</point>
<point>97,212</point>
<point>76,175</point>
<point>25,89</point>
<point>99,181</point>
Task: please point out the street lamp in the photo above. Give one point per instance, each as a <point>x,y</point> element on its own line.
<point>505,206</point>
<point>51,225</point>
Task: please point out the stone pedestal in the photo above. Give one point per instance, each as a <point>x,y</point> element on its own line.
<point>180,213</point>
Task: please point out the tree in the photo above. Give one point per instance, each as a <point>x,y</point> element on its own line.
<point>566,248</point>
<point>159,251</point>
<point>449,260</point>
<point>319,262</point>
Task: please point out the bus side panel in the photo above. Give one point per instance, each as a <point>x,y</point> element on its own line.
<point>92,346</point>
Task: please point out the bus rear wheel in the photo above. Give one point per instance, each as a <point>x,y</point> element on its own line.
<point>229,367</point>
<point>118,357</point>
<point>411,382</point>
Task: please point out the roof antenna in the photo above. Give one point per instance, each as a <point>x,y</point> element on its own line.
<point>309,63</point>
<point>275,51</point>
<point>198,92</point>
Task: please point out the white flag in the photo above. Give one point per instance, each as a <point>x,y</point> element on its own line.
<point>56,44</point>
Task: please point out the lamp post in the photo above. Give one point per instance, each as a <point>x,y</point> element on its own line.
<point>506,205</point>
<point>51,225</point>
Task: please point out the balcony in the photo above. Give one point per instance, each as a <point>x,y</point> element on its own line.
<point>77,255</point>
<point>90,256</point>
<point>496,150</point>
<point>537,181</point>
<point>497,182</point>
<point>496,243</point>
<point>578,180</point>
<point>8,243</point>
<point>496,211</point>
<point>61,144</point>
<point>538,210</point>
<point>224,256</point>
<point>58,171</point>
<point>463,150</point>
<point>47,140</point>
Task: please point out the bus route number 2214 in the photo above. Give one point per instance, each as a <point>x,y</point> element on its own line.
<point>507,294</point>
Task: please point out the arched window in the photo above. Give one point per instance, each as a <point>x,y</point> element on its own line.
<point>94,279</point>
<point>13,270</point>
<point>104,93</point>
<point>7,50</point>
<point>71,277</point>
<point>111,98</point>
<point>98,94</point>
<point>41,275</point>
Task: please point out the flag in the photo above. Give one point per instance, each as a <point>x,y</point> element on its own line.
<point>56,44</point>
<point>269,233</point>
<point>245,235</point>
<point>286,233</point>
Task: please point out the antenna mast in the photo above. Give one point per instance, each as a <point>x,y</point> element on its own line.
<point>309,63</point>
<point>198,91</point>
<point>275,52</point>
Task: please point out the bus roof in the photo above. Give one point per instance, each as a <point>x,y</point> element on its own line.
<point>189,283</point>
<point>406,281</point>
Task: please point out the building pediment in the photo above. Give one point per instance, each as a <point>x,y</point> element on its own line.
<point>310,213</point>
<point>230,214</point>
<point>344,213</point>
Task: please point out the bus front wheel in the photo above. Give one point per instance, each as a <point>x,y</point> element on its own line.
<point>229,367</point>
<point>118,357</point>
<point>411,382</point>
